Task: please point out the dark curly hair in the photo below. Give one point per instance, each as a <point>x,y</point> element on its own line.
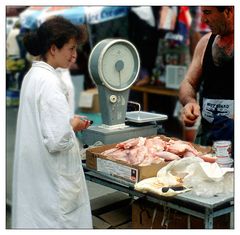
<point>57,30</point>
<point>221,8</point>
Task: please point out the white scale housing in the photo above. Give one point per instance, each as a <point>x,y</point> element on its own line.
<point>114,66</point>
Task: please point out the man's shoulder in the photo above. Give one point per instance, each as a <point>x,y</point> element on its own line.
<point>202,45</point>
<point>204,40</point>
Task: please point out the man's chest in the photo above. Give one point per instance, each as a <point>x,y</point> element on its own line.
<point>222,51</point>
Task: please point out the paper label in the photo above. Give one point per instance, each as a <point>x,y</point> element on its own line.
<point>117,170</point>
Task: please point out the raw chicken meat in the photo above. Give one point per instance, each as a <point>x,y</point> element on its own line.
<point>208,158</point>
<point>142,151</point>
<point>167,156</point>
<point>131,143</point>
<point>180,147</point>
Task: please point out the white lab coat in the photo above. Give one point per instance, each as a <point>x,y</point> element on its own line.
<point>67,85</point>
<point>49,187</point>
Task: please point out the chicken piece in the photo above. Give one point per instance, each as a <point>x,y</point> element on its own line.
<point>158,141</point>
<point>155,145</point>
<point>180,147</point>
<point>189,154</point>
<point>131,143</point>
<point>110,151</point>
<point>208,158</point>
<point>118,155</point>
<point>136,155</point>
<point>167,156</point>
<point>131,155</point>
<point>149,159</point>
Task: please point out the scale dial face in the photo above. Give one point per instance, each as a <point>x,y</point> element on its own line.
<point>119,66</point>
<point>115,64</point>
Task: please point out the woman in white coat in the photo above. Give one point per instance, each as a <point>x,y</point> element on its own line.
<point>49,187</point>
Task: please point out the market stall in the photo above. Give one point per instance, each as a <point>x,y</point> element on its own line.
<point>168,171</point>
<point>195,185</point>
<point>206,209</point>
<point>126,151</point>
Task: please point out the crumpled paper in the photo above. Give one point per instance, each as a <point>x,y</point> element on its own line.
<point>154,185</point>
<point>203,178</point>
<point>208,179</point>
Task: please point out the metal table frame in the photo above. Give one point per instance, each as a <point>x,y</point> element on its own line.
<point>204,208</point>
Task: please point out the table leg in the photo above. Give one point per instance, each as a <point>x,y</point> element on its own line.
<point>208,220</point>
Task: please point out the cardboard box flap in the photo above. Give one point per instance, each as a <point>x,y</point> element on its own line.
<point>86,100</point>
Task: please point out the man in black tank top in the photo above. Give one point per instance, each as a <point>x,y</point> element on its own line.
<point>211,73</point>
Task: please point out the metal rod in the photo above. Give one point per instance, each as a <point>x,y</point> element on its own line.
<point>136,103</point>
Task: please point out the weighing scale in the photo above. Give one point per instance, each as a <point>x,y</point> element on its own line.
<point>113,66</point>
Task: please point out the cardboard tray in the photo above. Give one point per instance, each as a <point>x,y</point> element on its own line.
<point>121,170</point>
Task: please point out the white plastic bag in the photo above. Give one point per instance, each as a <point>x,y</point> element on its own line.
<point>204,178</point>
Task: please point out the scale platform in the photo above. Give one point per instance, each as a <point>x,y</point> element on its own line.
<point>110,136</point>
<point>139,123</point>
<point>143,117</point>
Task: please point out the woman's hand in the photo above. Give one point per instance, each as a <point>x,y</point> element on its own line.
<point>79,123</point>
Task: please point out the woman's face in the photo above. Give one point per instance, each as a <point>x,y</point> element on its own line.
<point>65,56</point>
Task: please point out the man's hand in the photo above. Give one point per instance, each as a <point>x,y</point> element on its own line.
<point>190,113</point>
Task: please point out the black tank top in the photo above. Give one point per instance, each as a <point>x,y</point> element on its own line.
<point>218,81</point>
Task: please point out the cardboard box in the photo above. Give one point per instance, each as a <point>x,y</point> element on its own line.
<point>119,169</point>
<point>146,214</point>
<point>99,223</point>
<point>174,75</point>
<point>89,101</point>
<point>118,216</point>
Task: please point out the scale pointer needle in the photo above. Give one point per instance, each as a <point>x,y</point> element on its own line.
<point>119,66</point>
